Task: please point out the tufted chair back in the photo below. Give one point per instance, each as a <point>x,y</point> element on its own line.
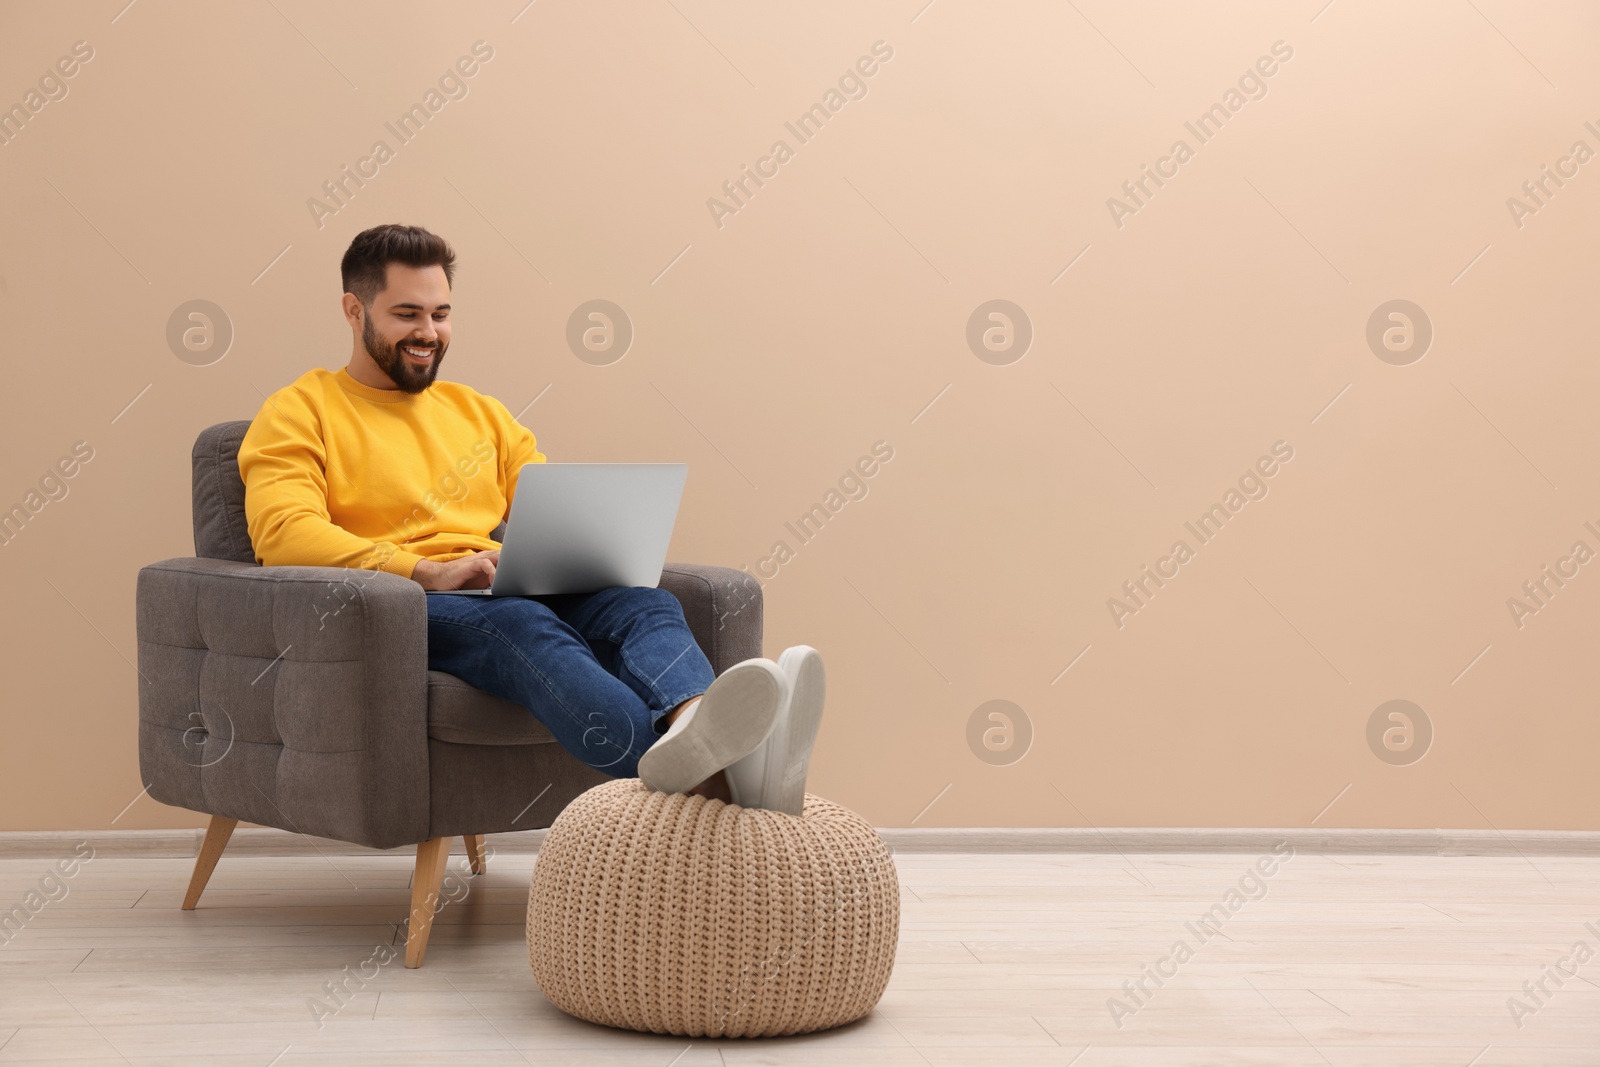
<point>220,531</point>
<point>220,528</point>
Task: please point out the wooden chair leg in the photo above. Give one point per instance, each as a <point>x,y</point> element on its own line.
<point>475,851</point>
<point>217,834</point>
<point>432,856</point>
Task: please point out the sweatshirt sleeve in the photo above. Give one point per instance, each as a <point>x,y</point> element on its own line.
<point>520,447</point>
<point>283,462</point>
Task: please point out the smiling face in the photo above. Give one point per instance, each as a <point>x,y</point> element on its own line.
<point>406,331</point>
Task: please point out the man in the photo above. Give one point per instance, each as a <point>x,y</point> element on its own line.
<point>382,466</point>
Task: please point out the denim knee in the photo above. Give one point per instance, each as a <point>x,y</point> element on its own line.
<point>656,597</point>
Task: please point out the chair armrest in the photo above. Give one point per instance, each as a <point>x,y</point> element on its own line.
<point>293,697</point>
<point>723,608</point>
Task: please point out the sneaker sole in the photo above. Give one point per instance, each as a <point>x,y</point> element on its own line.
<point>786,780</point>
<point>735,715</point>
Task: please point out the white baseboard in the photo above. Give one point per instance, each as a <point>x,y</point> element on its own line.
<point>263,841</point>
<point>1422,842</point>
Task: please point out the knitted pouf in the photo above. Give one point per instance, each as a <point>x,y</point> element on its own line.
<point>676,914</point>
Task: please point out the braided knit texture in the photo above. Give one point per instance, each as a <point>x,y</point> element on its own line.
<point>677,914</point>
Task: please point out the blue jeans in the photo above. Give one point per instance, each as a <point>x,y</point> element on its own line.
<point>599,670</point>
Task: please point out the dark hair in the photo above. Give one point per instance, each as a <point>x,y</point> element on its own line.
<point>365,266</point>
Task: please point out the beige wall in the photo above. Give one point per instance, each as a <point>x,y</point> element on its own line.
<point>830,312</point>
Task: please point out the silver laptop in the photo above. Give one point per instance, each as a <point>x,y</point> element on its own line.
<point>579,527</point>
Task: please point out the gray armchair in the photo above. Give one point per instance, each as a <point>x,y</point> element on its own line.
<point>300,698</point>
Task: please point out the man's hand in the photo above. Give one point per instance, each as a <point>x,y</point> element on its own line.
<point>469,572</point>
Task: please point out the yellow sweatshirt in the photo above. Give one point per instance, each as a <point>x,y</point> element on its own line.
<point>339,474</point>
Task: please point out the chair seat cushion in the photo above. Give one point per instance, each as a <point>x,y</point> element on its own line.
<point>465,715</point>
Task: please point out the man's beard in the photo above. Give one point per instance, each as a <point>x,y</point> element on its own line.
<point>393,362</point>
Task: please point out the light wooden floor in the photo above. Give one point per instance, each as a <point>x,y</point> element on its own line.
<point>1004,959</point>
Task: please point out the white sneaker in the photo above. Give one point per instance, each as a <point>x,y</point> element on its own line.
<point>727,722</point>
<point>774,775</point>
